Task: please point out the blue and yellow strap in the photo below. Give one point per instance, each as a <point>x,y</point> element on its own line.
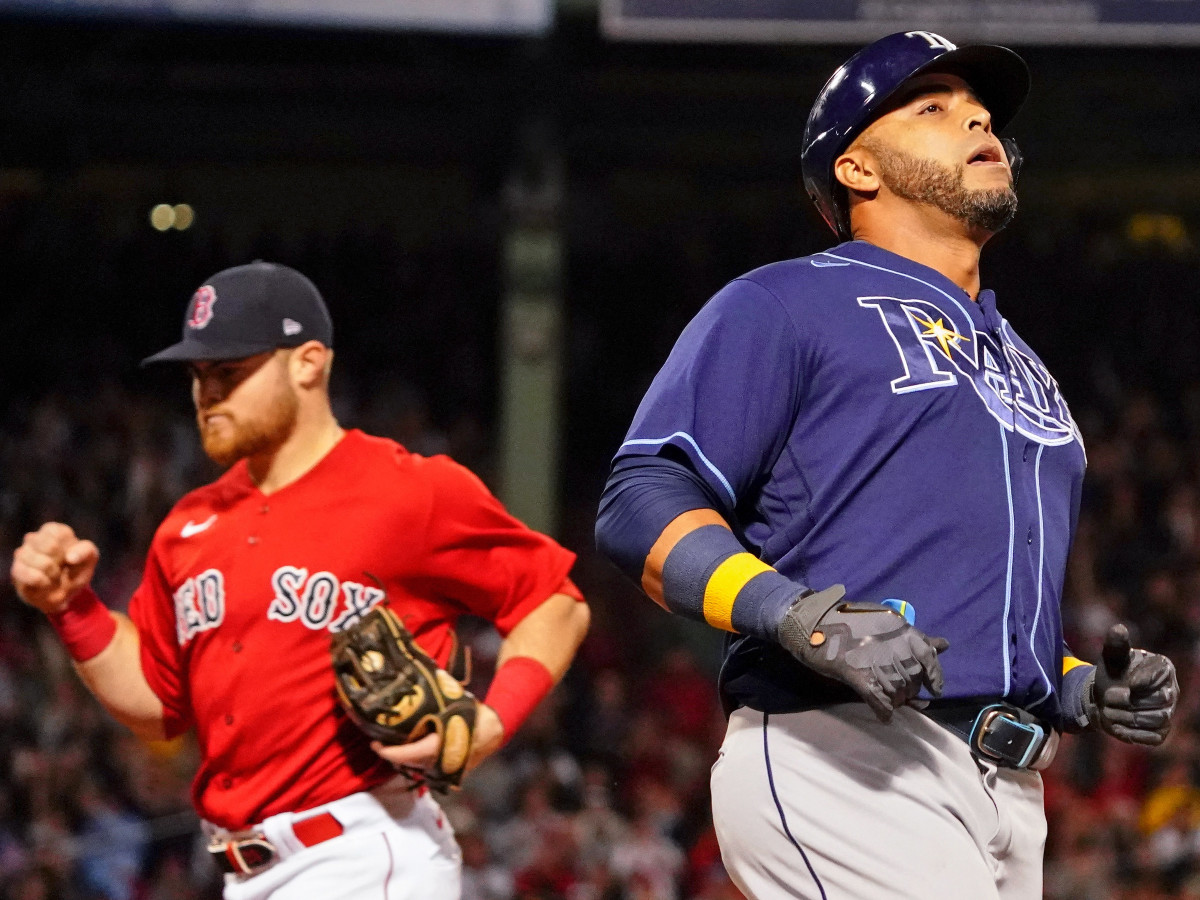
<point>708,575</point>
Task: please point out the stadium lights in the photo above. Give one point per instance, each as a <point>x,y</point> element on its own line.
<point>164,217</point>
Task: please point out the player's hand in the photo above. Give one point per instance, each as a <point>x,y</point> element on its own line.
<point>422,753</point>
<point>865,645</point>
<point>52,566</point>
<point>1132,694</point>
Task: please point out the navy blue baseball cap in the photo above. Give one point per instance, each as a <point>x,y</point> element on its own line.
<point>247,310</point>
<point>859,89</point>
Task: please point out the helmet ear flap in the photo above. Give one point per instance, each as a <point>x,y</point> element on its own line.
<point>1014,156</point>
<point>841,213</point>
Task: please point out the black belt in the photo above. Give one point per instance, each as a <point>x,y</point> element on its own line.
<point>998,732</point>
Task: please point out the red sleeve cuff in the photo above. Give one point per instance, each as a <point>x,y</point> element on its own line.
<point>572,590</point>
<point>174,723</point>
<point>554,584</point>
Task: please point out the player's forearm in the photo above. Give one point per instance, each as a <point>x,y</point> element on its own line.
<point>664,531</point>
<point>550,635</point>
<point>643,496</point>
<point>653,571</point>
<point>116,679</point>
<point>533,658</point>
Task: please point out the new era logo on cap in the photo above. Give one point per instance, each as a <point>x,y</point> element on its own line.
<point>264,306</point>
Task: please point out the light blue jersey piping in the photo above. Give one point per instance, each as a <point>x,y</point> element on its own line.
<point>658,442</point>
<point>932,287</point>
<point>1037,478</point>
<point>1012,533</point>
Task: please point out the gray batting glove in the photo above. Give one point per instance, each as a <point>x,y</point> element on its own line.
<point>865,645</point>
<point>1132,695</point>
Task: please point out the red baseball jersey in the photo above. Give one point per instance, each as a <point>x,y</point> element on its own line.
<point>243,589</point>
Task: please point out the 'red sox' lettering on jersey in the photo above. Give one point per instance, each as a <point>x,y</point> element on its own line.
<point>199,604</point>
<point>200,601</point>
<point>235,620</point>
<point>314,600</point>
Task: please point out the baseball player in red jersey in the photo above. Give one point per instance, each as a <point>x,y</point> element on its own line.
<point>246,579</point>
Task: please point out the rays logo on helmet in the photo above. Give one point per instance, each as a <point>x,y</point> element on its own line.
<point>202,307</point>
<point>936,41</point>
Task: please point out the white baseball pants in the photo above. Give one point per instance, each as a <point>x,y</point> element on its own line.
<point>396,845</point>
<point>832,804</point>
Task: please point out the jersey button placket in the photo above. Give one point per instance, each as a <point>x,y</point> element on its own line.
<point>253,539</point>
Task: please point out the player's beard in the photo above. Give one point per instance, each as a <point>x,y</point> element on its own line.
<point>942,187</point>
<point>236,439</point>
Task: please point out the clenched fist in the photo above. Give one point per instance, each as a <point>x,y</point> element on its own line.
<point>51,566</point>
<point>1132,694</point>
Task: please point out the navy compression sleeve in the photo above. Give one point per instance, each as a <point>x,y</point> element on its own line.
<point>643,495</point>
<point>707,575</point>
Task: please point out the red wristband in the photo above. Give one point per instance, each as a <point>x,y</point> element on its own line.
<point>85,626</point>
<point>517,688</point>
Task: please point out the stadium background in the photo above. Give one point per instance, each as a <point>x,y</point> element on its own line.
<point>399,169</point>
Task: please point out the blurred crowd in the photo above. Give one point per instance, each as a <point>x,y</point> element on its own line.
<point>603,795</point>
<point>1125,822</point>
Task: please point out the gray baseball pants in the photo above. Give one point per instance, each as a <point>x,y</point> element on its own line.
<point>832,804</point>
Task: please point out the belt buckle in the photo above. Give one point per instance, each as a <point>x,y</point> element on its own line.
<point>242,856</point>
<point>1046,755</point>
<point>1038,750</point>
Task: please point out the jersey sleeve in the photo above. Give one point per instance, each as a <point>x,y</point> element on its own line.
<point>152,609</point>
<point>482,557</point>
<point>728,393</point>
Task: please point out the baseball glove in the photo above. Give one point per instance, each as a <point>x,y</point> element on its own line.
<point>396,693</point>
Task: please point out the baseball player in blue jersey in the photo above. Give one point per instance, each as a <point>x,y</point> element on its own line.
<point>853,465</point>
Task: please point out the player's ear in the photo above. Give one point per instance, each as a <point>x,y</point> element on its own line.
<point>857,170</point>
<point>309,364</point>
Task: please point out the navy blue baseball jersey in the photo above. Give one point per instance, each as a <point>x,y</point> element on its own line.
<point>864,422</point>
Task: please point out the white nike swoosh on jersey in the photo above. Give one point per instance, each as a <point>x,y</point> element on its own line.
<point>193,528</point>
<point>820,264</point>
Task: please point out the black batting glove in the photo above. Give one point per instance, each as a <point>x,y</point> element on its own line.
<point>1132,694</point>
<point>867,646</point>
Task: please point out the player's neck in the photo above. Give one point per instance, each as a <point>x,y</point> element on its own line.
<point>315,434</point>
<point>936,241</point>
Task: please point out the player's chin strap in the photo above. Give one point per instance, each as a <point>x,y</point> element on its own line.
<point>1013,153</point>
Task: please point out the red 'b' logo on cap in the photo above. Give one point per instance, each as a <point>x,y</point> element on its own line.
<point>202,304</point>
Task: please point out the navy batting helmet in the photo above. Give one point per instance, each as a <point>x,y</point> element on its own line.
<point>859,89</point>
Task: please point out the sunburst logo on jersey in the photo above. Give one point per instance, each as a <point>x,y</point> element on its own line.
<point>946,337</point>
